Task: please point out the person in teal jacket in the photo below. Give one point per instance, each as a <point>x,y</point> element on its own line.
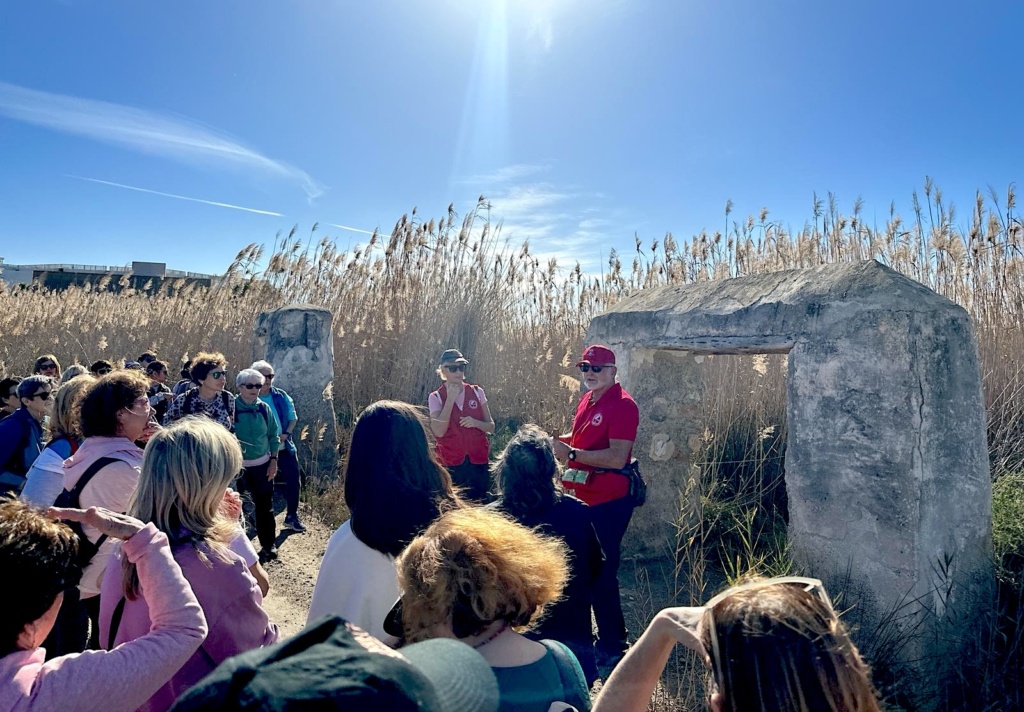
<point>259,435</point>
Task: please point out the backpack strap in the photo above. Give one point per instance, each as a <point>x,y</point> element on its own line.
<point>115,623</point>
<point>573,682</point>
<point>89,473</point>
<point>73,495</point>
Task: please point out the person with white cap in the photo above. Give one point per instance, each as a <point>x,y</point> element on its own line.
<point>596,452</point>
<point>461,421</point>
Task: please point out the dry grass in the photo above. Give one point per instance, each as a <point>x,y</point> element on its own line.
<point>453,281</point>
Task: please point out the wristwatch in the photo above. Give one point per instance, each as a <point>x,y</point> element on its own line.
<point>571,457</point>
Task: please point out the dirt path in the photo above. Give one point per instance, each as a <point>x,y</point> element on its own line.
<point>293,574</point>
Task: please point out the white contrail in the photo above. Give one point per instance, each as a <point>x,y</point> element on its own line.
<point>353,229</point>
<point>179,197</point>
<point>144,131</point>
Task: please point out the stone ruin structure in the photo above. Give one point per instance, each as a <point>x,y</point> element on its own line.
<point>886,471</point>
<point>298,341</point>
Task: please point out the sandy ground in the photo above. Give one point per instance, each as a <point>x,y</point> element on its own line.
<point>293,574</point>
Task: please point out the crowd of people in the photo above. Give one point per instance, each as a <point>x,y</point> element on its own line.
<point>457,583</point>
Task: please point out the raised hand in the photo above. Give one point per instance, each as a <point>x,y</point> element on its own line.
<point>114,525</point>
<point>685,624</point>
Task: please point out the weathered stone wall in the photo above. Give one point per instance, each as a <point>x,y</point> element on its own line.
<point>886,466</point>
<point>298,342</point>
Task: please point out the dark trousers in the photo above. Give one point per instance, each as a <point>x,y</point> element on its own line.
<point>288,479</point>
<point>254,481</point>
<point>610,522</point>
<point>473,480</point>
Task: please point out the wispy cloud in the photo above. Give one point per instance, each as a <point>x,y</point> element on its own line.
<point>177,197</point>
<point>145,131</point>
<point>560,222</point>
<point>505,175</point>
<point>542,29</point>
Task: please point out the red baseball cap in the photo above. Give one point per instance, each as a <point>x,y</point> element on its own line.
<point>597,356</point>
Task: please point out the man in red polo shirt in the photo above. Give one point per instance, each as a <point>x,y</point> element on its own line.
<point>599,446</point>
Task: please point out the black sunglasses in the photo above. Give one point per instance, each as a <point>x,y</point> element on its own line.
<point>453,369</point>
<point>586,368</point>
<point>47,366</point>
<point>268,376</point>
<point>102,371</point>
<point>44,395</point>
<point>250,386</point>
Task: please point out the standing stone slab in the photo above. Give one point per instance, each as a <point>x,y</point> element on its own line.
<point>298,341</point>
<point>887,472</point>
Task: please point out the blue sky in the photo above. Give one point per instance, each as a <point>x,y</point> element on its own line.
<point>584,121</point>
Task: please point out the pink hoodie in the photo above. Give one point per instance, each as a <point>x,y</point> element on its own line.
<point>231,601</point>
<point>123,678</point>
<point>112,488</point>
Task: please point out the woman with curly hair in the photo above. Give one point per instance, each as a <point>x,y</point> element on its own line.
<point>772,644</point>
<point>209,373</point>
<point>477,576</point>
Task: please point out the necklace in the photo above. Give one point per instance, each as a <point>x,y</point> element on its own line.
<point>492,636</point>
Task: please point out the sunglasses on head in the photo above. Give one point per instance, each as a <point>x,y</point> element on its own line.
<point>457,367</point>
<point>810,585</point>
<point>250,386</point>
<point>587,368</point>
<point>42,395</point>
<point>217,375</point>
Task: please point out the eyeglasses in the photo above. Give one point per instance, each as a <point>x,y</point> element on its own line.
<point>102,371</point>
<point>250,386</point>
<point>42,395</point>
<point>810,585</point>
<point>217,375</point>
<point>587,368</point>
<point>459,367</point>
<point>140,404</point>
<point>47,367</point>
<point>268,376</point>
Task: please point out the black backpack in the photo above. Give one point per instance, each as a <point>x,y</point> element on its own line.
<point>69,498</point>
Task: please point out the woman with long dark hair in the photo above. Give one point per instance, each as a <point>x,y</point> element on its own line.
<point>394,489</point>
<point>526,473</point>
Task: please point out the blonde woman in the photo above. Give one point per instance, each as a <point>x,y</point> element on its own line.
<point>477,576</point>
<point>185,471</point>
<point>73,371</point>
<point>46,476</point>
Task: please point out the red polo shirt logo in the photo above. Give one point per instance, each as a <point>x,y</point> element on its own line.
<point>473,404</point>
<point>596,420</point>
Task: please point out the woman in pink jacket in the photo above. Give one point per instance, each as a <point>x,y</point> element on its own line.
<point>185,471</point>
<point>39,559</point>
<point>115,414</point>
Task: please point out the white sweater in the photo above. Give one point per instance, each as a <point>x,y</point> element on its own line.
<point>355,582</point>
